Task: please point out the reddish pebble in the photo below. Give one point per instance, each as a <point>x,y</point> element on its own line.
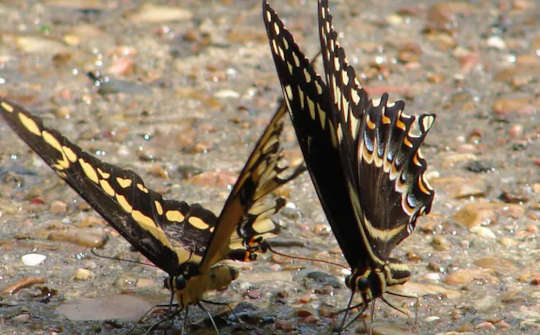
<point>485,325</point>
<point>515,131</point>
<point>284,325</point>
<point>501,324</point>
<point>58,207</point>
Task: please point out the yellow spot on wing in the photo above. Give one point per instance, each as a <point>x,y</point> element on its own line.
<point>143,220</point>
<point>198,223</point>
<point>7,107</point>
<point>174,216</point>
<point>52,141</point>
<point>123,182</point>
<point>89,171</point>
<point>107,187</point>
<point>158,207</point>
<point>29,124</point>
<point>103,174</point>
<point>69,154</point>
<point>124,203</point>
<point>142,188</point>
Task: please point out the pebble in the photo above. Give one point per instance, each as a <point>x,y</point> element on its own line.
<point>58,207</point>
<point>465,276</point>
<point>83,274</point>
<point>484,232</point>
<point>460,187</point>
<point>219,179</point>
<point>20,284</point>
<point>150,13</point>
<point>440,243</point>
<point>33,259</point>
<point>496,42</point>
<point>90,238</point>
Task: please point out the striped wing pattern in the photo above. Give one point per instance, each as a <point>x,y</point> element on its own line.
<point>363,157</point>
<point>384,145</point>
<point>184,240</point>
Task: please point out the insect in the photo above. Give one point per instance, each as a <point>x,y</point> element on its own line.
<point>186,241</point>
<point>363,156</point>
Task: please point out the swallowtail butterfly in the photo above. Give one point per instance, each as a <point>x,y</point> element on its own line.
<point>186,241</point>
<point>363,156</point>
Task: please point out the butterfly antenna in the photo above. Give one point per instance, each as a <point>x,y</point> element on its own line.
<point>93,251</point>
<point>267,246</point>
<point>346,310</point>
<point>210,316</point>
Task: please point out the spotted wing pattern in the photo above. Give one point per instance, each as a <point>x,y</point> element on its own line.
<point>245,213</point>
<point>363,157</point>
<point>171,234</point>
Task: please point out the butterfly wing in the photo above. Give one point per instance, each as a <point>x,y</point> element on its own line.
<point>381,145</point>
<point>138,213</point>
<point>315,121</point>
<point>244,215</point>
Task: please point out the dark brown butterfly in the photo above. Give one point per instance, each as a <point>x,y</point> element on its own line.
<point>363,156</point>
<point>186,241</point>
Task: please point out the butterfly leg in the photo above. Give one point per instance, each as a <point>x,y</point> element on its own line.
<point>209,316</point>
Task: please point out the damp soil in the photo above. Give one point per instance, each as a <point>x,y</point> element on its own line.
<point>186,87</point>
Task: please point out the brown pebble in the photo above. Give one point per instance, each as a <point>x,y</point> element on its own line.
<point>413,256</point>
<point>144,282</point>
<point>515,131</point>
<point>214,179</point>
<point>440,243</point>
<point>459,187</point>
<point>284,325</point>
<point>58,207</point>
<point>159,171</point>
<point>464,276</point>
<point>485,325</point>
<point>20,284</point>
<point>499,264</point>
<point>253,294</point>
<point>83,274</point>
<point>84,237</point>
<point>304,313</point>
<point>321,230</point>
<point>504,106</point>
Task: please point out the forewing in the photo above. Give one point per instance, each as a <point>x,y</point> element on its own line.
<point>349,97</point>
<point>263,172</point>
<point>314,120</point>
<point>138,213</point>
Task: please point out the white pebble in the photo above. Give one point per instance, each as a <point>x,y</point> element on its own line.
<point>496,42</point>
<point>33,259</point>
<point>484,232</point>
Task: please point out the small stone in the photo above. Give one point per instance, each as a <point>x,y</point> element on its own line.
<point>90,238</point>
<point>504,106</point>
<point>58,207</point>
<point>475,214</point>
<point>322,230</point>
<point>496,42</point>
<point>83,274</point>
<point>485,325</point>
<point>485,232</point>
<point>465,276</point>
<point>459,187</point>
<point>214,178</point>
<point>33,259</point>
<point>20,284</point>
<point>515,131</point>
<point>155,14</point>
<point>440,243</point>
<point>286,326</point>
<point>144,282</point>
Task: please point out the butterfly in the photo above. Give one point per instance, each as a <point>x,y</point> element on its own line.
<point>363,156</point>
<point>185,240</point>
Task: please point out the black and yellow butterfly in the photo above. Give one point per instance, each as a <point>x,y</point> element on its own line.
<point>363,156</point>
<point>186,241</point>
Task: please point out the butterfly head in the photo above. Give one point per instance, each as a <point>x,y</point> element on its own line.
<point>372,282</point>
